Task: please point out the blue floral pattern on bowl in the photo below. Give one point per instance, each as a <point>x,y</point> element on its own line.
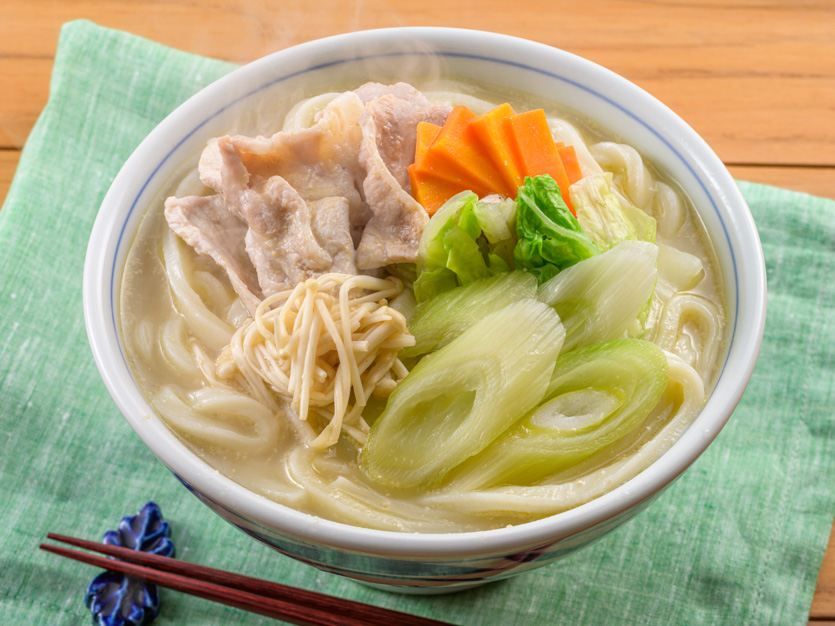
<point>116,599</point>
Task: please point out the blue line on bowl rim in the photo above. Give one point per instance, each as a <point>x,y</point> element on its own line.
<point>461,55</point>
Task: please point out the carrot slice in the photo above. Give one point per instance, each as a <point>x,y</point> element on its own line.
<point>427,132</point>
<point>456,158</point>
<point>489,153</point>
<point>572,166</point>
<point>494,134</point>
<point>536,150</point>
<point>430,191</point>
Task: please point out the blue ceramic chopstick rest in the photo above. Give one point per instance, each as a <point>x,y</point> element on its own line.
<point>116,599</point>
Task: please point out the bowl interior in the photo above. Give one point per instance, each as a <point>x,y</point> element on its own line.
<point>256,97</point>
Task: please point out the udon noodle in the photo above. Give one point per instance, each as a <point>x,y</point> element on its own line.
<point>279,391</point>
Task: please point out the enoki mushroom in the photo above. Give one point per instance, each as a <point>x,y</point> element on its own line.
<point>326,345</point>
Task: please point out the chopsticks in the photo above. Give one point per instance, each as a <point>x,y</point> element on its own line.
<point>293,605</point>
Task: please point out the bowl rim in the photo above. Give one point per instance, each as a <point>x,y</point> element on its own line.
<point>100,272</point>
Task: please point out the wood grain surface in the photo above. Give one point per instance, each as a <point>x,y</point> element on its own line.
<point>756,78</point>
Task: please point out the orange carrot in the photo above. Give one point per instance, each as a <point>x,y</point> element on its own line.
<point>490,153</point>
<point>494,134</point>
<point>568,157</point>
<point>533,143</point>
<point>535,148</point>
<point>456,158</point>
<point>430,191</point>
<point>427,132</point>
<point>572,166</point>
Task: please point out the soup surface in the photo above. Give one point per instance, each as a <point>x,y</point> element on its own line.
<point>304,325</point>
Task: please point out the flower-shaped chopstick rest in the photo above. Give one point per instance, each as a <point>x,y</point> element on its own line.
<point>117,599</point>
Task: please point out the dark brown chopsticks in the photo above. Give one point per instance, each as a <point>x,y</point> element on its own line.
<point>293,605</point>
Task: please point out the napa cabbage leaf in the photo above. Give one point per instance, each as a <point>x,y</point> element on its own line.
<point>604,218</point>
<point>465,240</point>
<point>549,238</point>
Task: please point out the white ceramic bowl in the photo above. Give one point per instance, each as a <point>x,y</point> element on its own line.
<point>438,562</point>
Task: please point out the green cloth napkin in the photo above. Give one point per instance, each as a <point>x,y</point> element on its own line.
<point>738,539</point>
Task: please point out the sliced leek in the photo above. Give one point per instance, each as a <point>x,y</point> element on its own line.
<point>597,396</point>
<point>439,320</point>
<point>460,398</point>
<point>599,298</point>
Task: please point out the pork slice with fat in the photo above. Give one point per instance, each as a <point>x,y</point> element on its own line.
<point>388,126</point>
<point>332,228</point>
<point>319,162</point>
<point>206,224</point>
<point>403,91</point>
<point>280,239</point>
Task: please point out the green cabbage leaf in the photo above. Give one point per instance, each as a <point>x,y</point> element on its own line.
<point>465,240</point>
<point>549,236</point>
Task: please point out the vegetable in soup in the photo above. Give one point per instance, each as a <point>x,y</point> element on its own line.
<point>424,311</point>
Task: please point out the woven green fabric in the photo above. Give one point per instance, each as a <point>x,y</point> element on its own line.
<point>738,539</point>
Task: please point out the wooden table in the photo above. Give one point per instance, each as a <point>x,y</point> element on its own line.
<point>756,79</point>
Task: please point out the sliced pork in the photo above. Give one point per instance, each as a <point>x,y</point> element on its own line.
<point>280,239</point>
<point>389,135</point>
<point>332,228</point>
<point>207,225</point>
<point>333,197</point>
<point>318,162</point>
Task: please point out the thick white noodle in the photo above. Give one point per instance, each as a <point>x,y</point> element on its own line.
<point>207,327</point>
<point>190,185</point>
<point>236,314</point>
<point>668,210</point>
<point>354,501</point>
<point>565,132</point>
<point>173,343</point>
<point>219,416</point>
<point>628,170</point>
<point>681,269</point>
<point>303,114</point>
<point>211,289</point>
<point>691,326</point>
<point>637,186</point>
<point>241,415</point>
<point>454,98</point>
<point>142,340</point>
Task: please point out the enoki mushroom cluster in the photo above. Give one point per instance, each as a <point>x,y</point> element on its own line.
<point>325,345</point>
